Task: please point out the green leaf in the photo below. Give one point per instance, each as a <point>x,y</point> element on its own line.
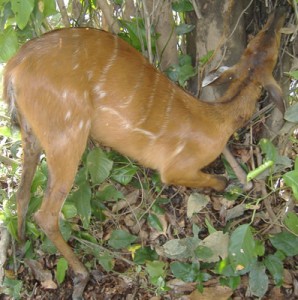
<point>184,28</point>
<point>233,192</point>
<point>124,175</point>
<point>203,253</point>
<point>210,227</point>
<point>156,271</point>
<point>268,149</point>
<point>106,261</point>
<point>218,243</point>
<point>204,59</point>
<point>260,248</point>
<point>271,154</point>
<point>286,242</point>
<point>196,202</point>
<point>293,74</point>
<point>181,248</point>
<point>291,113</point>
<point>69,210</point>
<point>188,272</point>
<point>291,179</point>
<point>13,287</point>
<point>154,222</point>
<point>232,281</point>
<point>182,6</point>
<point>242,248</point>
<point>49,8</point>
<point>291,221</point>
<point>39,181</point>
<point>258,280</point>
<point>22,10</point>
<point>275,266</point>
<point>62,266</point>
<point>183,71</point>
<point>4,130</point>
<point>109,193</point>
<point>145,254</point>
<point>82,198</point>
<point>121,239</point>
<point>8,45</point>
<point>99,166</point>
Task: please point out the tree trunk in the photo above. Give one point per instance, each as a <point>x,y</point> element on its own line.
<point>222,30</point>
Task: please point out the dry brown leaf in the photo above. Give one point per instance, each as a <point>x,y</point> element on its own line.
<point>196,202</point>
<point>129,200</point>
<point>38,271</point>
<point>211,293</point>
<point>287,279</point>
<point>180,287</point>
<point>276,293</point>
<point>40,274</point>
<point>49,284</point>
<point>218,242</point>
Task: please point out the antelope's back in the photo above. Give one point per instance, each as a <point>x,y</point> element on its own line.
<point>80,81</point>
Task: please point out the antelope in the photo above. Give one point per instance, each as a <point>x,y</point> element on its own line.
<point>72,84</point>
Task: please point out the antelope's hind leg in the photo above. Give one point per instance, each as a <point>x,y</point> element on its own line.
<point>63,160</point>
<point>190,176</point>
<point>31,155</point>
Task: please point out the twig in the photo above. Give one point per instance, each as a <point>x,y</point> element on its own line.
<point>148,32</point>
<point>267,199</point>
<point>7,161</point>
<point>4,243</point>
<point>63,12</point>
<point>239,172</point>
<point>103,249</point>
<point>108,14</point>
<point>196,9</point>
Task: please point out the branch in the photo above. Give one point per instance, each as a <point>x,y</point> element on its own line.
<point>148,31</point>
<point>4,243</point>
<point>63,11</point>
<point>107,11</point>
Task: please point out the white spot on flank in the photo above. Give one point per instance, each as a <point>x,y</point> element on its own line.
<point>99,92</point>
<point>88,125</point>
<point>68,115</point>
<point>179,148</point>
<point>75,66</point>
<point>64,95</point>
<point>81,124</point>
<point>89,75</point>
<point>86,95</point>
<point>102,94</point>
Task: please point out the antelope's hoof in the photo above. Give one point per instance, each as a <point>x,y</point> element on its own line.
<point>80,281</point>
<point>222,183</point>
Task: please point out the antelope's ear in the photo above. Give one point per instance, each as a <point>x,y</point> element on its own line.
<point>275,94</point>
<point>219,76</point>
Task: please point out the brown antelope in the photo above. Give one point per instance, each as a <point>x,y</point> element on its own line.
<point>71,84</point>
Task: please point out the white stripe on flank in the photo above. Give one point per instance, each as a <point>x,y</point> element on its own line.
<point>110,62</point>
<point>125,123</point>
<point>150,102</point>
<point>137,85</point>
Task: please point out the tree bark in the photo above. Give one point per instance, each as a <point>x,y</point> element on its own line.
<point>221,29</point>
<point>162,18</point>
